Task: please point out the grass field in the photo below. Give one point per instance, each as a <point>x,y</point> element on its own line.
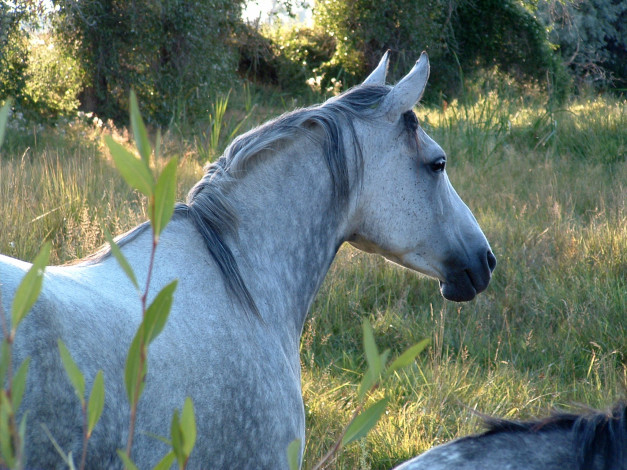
<point>549,190</point>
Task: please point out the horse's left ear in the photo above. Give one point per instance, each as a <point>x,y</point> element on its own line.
<point>408,91</point>
<point>377,77</point>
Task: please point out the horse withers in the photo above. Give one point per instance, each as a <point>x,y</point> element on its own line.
<point>592,440</point>
<point>250,249</point>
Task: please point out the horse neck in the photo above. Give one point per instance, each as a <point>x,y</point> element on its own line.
<point>290,228</point>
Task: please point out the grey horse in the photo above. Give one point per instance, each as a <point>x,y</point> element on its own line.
<point>587,441</point>
<point>250,249</point>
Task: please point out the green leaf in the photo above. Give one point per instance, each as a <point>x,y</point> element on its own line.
<point>5,357</point>
<point>293,454</point>
<point>135,172</point>
<point>363,423</point>
<point>367,382</point>
<point>6,444</point>
<point>409,356</point>
<point>4,117</point>
<point>158,311</point>
<point>30,287</point>
<point>19,384</point>
<point>166,462</point>
<point>177,437</point>
<point>165,196</point>
<point>132,369</point>
<point>139,131</point>
<point>188,427</point>
<point>96,402</point>
<point>121,259</point>
<point>126,460</point>
<point>370,348</point>
<point>73,372</point>
<point>22,432</point>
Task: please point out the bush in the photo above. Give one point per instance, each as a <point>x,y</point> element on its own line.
<point>175,54</point>
<point>461,36</point>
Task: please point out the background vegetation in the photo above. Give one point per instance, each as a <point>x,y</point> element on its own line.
<point>534,124</point>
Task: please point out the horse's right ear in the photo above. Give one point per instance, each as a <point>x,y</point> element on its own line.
<point>377,77</point>
<point>406,93</point>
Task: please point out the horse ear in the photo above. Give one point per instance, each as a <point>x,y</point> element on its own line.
<point>377,77</point>
<point>408,91</point>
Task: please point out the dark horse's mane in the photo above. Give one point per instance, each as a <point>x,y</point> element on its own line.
<point>594,434</point>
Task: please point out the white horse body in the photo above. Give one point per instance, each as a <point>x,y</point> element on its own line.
<point>291,215</point>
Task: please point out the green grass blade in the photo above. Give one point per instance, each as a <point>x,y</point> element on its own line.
<point>96,402</point>
<point>71,369</point>
<point>30,287</point>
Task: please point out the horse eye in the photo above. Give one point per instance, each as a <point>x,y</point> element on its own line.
<point>438,166</point>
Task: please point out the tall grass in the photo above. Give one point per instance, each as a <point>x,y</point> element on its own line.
<point>547,187</point>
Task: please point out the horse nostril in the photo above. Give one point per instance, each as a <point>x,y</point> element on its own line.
<point>491,261</point>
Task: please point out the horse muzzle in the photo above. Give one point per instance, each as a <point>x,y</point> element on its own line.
<point>462,285</point>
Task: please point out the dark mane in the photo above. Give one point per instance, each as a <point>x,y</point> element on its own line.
<point>211,211</point>
<point>594,434</point>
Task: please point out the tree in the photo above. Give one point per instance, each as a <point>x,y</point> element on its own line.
<point>13,51</point>
<point>591,37</point>
<point>175,54</point>
<point>461,36</point>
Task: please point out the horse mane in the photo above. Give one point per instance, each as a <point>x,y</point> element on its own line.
<point>208,205</point>
<point>594,434</point>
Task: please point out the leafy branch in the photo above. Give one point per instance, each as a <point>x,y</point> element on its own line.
<point>160,190</point>
<point>363,419</point>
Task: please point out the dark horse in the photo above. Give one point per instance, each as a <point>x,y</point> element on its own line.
<point>587,441</point>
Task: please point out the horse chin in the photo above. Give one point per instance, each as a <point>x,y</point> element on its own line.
<point>457,292</point>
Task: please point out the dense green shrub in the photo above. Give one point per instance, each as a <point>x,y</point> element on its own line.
<point>461,36</point>
<point>175,54</point>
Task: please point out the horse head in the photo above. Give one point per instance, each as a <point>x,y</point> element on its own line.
<point>407,209</point>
